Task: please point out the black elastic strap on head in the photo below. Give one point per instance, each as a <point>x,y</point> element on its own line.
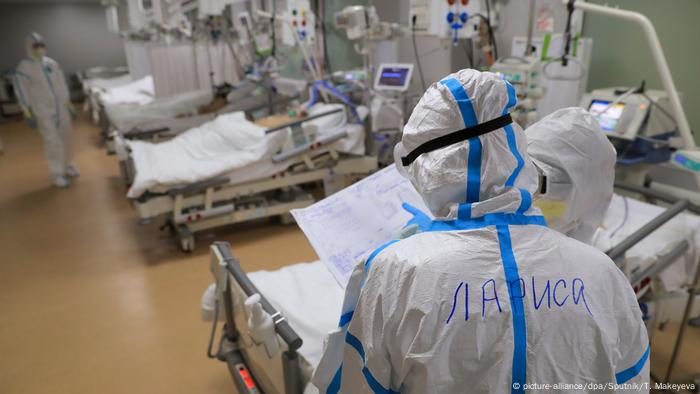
<point>457,136</point>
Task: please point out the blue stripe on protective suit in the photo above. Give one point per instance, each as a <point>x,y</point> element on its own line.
<point>334,386</point>
<point>510,267</point>
<point>376,252</point>
<point>525,201</point>
<point>510,136</point>
<point>474,158</point>
<point>371,381</point>
<point>629,373</point>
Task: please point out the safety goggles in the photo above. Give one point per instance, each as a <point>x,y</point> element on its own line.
<point>39,45</point>
<point>553,184</point>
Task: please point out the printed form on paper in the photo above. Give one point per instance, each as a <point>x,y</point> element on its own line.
<point>346,226</point>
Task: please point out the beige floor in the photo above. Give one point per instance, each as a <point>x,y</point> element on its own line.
<point>90,301</point>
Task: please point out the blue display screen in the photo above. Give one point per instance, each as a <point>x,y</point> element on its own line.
<point>393,76</point>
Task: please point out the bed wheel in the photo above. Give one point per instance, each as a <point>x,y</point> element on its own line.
<point>186,238</point>
<point>287,219</point>
<point>187,244</point>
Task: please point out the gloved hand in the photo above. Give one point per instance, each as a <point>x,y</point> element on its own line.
<point>71,110</point>
<point>418,223</point>
<point>29,117</point>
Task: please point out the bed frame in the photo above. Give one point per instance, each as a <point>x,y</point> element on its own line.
<point>236,287</point>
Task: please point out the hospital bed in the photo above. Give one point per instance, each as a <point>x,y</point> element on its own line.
<point>224,172</point>
<point>128,116</point>
<point>153,124</point>
<point>167,117</point>
<point>304,299</point>
<point>119,91</point>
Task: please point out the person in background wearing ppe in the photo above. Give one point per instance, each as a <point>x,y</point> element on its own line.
<point>45,101</point>
<point>486,298</point>
<point>576,163</point>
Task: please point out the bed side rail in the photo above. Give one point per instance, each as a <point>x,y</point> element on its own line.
<point>290,358</point>
<point>661,264</point>
<point>678,206</point>
<point>300,121</point>
<point>282,327</point>
<point>197,187</point>
<point>138,133</point>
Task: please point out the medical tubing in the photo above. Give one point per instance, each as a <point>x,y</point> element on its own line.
<point>468,52</point>
<point>567,33</point>
<point>415,51</point>
<point>624,217</point>
<point>492,38</point>
<point>326,58</point>
<point>282,327</point>
<point>530,28</point>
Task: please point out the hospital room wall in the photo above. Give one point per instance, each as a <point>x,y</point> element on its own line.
<point>621,56</point>
<point>76,34</point>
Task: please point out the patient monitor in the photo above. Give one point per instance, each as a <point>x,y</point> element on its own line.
<point>626,114</point>
<point>393,77</point>
<point>387,109</point>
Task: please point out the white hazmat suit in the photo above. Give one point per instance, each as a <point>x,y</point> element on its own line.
<point>486,299</point>
<point>45,101</point>
<point>578,166</point>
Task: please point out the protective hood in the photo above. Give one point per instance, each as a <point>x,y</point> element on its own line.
<point>578,162</point>
<point>485,174</point>
<point>30,40</point>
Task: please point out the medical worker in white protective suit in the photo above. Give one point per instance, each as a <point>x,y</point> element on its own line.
<point>576,163</point>
<point>487,298</point>
<point>45,101</point>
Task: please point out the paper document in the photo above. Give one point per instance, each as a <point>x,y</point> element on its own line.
<point>346,226</point>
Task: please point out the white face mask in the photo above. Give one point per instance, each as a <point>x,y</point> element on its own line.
<point>556,214</point>
<point>38,52</point>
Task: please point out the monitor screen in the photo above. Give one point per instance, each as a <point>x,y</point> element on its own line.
<point>609,119</point>
<point>394,76</point>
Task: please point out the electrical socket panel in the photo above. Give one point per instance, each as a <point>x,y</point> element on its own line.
<point>445,18</point>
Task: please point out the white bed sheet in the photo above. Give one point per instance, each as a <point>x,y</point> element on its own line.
<point>685,226</point>
<point>308,296</point>
<point>229,146</point>
<point>140,91</point>
<point>97,84</point>
<point>125,117</point>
